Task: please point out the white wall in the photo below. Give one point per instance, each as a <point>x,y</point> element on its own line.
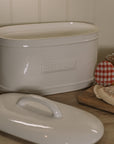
<point>26,11</point>
<point>104,19</point>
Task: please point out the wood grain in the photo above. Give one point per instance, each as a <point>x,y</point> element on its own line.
<point>88,97</point>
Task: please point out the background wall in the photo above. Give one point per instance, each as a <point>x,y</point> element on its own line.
<point>99,12</point>
<point>24,11</point>
<point>104,19</point>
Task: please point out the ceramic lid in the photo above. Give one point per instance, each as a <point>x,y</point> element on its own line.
<point>37,119</point>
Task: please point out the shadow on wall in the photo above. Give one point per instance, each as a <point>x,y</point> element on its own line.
<point>103,52</point>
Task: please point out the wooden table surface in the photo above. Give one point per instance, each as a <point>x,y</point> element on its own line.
<point>70,98</point>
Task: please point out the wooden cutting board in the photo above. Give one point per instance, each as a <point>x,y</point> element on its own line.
<point>88,97</point>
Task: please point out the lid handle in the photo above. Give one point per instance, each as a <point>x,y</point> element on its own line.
<point>23,101</point>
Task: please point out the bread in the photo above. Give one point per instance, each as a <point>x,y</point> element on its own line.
<point>105,93</point>
<point>110,58</point>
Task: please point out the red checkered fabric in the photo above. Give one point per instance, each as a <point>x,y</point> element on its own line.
<point>104,73</point>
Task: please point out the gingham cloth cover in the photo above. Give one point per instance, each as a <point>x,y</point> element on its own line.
<point>104,73</point>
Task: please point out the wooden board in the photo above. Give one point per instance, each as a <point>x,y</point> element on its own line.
<point>88,97</point>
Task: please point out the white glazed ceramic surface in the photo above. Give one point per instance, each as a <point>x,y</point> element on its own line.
<point>47,30</point>
<point>37,119</point>
<point>49,57</point>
